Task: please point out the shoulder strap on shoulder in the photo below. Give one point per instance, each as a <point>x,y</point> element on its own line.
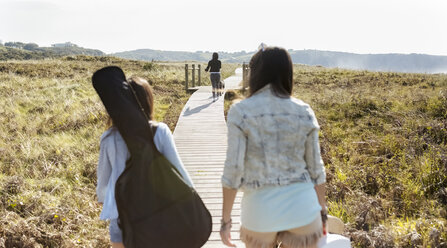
<point>154,126</point>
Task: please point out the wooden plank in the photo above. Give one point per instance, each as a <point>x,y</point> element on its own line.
<point>201,140</point>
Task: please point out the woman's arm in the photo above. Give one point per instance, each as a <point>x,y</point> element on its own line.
<point>315,167</point>
<point>312,155</point>
<point>104,171</point>
<point>225,230</point>
<point>233,171</point>
<point>237,143</point>
<point>321,193</point>
<point>165,144</point>
<point>228,200</point>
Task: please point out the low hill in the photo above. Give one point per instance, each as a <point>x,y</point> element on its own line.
<point>411,63</point>
<point>414,63</point>
<point>64,51</point>
<point>11,53</point>
<point>159,55</point>
<point>8,53</point>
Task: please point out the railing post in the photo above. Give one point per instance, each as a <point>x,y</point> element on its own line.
<point>186,77</point>
<point>244,75</point>
<point>198,70</point>
<point>193,75</point>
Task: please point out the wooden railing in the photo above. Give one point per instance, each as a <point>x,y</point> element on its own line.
<point>245,71</point>
<point>193,75</point>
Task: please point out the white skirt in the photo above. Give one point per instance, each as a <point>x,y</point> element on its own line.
<point>279,208</point>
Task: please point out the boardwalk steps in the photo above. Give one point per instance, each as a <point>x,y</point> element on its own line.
<point>201,140</point>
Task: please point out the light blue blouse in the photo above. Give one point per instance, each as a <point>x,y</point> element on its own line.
<point>113,155</point>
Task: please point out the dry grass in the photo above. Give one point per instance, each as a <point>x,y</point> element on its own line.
<point>384,140</point>
<point>51,120</point>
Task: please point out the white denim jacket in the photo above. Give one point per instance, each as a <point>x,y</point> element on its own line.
<point>272,141</point>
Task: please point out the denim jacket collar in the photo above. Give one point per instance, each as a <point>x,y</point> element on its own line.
<point>263,89</point>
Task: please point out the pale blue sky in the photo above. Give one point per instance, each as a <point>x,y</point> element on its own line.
<point>361,26</point>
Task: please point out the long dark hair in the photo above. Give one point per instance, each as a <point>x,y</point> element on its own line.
<point>271,65</point>
<point>215,56</point>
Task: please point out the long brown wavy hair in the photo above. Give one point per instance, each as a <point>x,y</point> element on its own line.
<point>145,96</point>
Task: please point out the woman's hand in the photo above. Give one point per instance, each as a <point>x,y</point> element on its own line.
<point>225,233</point>
<point>321,193</point>
<point>324,218</point>
<point>225,224</point>
<point>325,228</point>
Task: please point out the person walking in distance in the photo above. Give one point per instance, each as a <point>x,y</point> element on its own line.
<point>213,67</point>
<point>273,155</point>
<point>114,153</point>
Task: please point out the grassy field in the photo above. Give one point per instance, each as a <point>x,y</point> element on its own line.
<point>51,120</point>
<point>383,140</point>
<point>384,143</point>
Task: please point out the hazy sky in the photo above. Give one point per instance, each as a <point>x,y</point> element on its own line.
<point>361,26</point>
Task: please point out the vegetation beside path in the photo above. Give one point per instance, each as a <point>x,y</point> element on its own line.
<point>384,142</point>
<point>51,120</point>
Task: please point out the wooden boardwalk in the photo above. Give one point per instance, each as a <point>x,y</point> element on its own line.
<point>201,140</point>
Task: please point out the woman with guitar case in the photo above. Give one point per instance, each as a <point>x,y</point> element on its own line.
<point>156,206</point>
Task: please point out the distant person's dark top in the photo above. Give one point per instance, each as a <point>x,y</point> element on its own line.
<point>215,65</point>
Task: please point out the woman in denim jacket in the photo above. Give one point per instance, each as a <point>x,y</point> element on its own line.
<point>274,157</point>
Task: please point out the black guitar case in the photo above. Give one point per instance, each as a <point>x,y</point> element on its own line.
<point>156,207</point>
